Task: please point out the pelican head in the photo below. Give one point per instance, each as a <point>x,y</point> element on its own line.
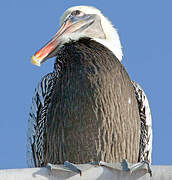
<point>79,22</point>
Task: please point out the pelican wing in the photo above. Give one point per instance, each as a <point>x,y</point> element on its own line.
<point>145,148</point>
<point>38,120</point>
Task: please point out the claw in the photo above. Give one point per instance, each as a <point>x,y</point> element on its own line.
<point>116,166</point>
<point>49,166</point>
<point>52,167</point>
<point>124,165</point>
<point>72,167</point>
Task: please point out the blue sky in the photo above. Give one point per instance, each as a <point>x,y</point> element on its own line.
<point>145,29</point>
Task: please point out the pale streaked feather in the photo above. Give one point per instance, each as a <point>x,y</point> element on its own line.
<point>146,124</point>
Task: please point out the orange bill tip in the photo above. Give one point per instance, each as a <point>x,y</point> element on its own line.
<point>40,55</point>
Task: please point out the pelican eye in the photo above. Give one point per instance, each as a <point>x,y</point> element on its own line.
<point>77,13</point>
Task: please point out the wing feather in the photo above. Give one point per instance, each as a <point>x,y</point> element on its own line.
<point>37,121</point>
<point>145,148</point>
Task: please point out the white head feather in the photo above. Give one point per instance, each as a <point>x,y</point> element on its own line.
<point>112,40</point>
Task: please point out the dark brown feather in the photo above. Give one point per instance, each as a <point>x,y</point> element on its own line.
<point>93,114</point>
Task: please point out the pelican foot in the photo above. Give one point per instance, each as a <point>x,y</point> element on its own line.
<point>125,166</point>
<point>66,167</point>
<point>134,167</point>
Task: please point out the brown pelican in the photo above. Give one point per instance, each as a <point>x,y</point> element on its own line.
<point>87,109</point>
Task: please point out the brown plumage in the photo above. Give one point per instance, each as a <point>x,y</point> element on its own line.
<point>89,117</point>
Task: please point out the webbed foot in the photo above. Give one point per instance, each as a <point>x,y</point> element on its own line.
<point>125,166</point>
<point>134,167</point>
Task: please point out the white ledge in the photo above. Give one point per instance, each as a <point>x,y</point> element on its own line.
<point>88,173</point>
